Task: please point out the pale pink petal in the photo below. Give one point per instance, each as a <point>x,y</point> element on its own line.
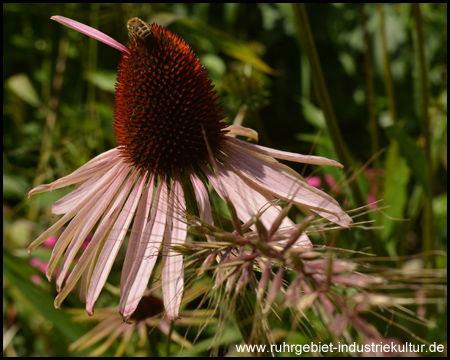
<point>306,159</point>
<point>91,32</point>
<point>67,202</point>
<point>54,228</point>
<point>147,254</point>
<point>116,203</point>
<point>82,210</point>
<point>102,330</point>
<point>101,233</point>
<point>247,201</point>
<point>112,339</point>
<point>283,185</point>
<point>258,201</point>
<point>94,210</point>
<point>201,195</point>
<point>85,260</point>
<point>86,276</point>
<point>105,179</point>
<point>100,159</point>
<point>242,131</point>
<point>340,218</point>
<point>139,223</point>
<point>96,167</point>
<point>112,245</point>
<point>172,262</point>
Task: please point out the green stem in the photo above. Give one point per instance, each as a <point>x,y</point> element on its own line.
<point>323,97</point>
<point>370,88</point>
<point>169,338</point>
<point>388,82</point>
<point>389,91</point>
<point>244,314</point>
<point>429,241</point>
<point>46,152</point>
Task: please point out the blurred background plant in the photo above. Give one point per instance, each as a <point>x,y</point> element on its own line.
<point>365,85</point>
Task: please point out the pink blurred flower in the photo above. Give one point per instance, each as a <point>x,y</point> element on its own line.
<point>314,181</point>
<point>51,241</point>
<point>36,279</point>
<point>372,174</point>
<point>330,180</point>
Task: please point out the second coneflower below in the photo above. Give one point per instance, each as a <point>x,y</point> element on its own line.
<point>168,125</point>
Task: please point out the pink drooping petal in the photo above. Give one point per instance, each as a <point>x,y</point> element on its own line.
<point>202,197</point>
<point>278,154</point>
<point>89,216</point>
<point>112,245</point>
<point>91,32</point>
<point>139,223</point>
<point>248,201</point>
<point>147,253</point>
<point>242,131</point>
<point>96,167</point>
<point>104,228</point>
<point>340,217</point>
<point>83,266</point>
<point>283,184</point>
<point>201,194</point>
<point>81,210</point>
<point>96,187</point>
<point>99,332</point>
<point>63,205</point>
<point>86,277</point>
<point>86,260</point>
<point>172,262</point>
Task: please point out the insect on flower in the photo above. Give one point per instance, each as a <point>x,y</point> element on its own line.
<point>169,126</point>
<point>139,28</point>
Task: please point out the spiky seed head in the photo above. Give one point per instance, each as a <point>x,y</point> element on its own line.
<point>165,105</point>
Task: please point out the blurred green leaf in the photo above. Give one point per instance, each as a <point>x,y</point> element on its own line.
<point>17,272</point>
<point>313,114</point>
<point>440,206</point>
<point>232,335</point>
<point>103,79</point>
<point>21,85</point>
<point>225,42</point>
<point>313,138</point>
<point>413,155</point>
<point>395,191</point>
<point>14,186</point>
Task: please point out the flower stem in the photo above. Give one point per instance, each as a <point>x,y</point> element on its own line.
<point>323,97</point>
<point>244,314</point>
<point>429,242</point>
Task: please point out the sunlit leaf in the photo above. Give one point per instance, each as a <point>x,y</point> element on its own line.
<point>104,80</point>
<point>21,85</point>
<point>225,42</point>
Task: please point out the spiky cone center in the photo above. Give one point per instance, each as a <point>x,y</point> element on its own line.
<point>165,105</point>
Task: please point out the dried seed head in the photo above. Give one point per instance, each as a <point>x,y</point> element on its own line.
<point>165,105</point>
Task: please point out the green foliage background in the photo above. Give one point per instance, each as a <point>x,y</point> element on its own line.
<point>58,88</point>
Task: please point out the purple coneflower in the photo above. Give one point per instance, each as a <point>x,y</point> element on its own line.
<point>168,127</point>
